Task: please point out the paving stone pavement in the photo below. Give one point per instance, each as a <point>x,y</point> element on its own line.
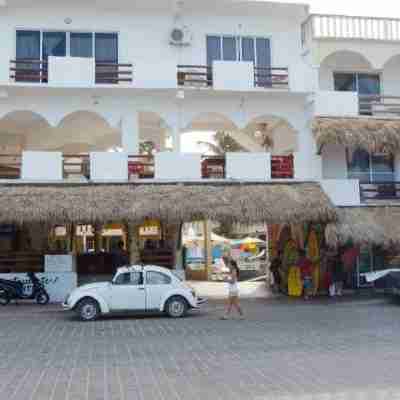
<point>283,351</point>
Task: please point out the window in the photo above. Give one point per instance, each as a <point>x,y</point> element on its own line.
<point>81,45</point>
<point>235,48</point>
<point>356,82</point>
<point>363,84</point>
<point>375,167</point>
<point>157,278</point>
<point>129,278</point>
<point>37,45</point>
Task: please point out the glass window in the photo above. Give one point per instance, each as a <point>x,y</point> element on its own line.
<point>229,49</point>
<point>81,45</point>
<point>358,165</point>
<point>382,167</point>
<point>28,45</point>
<point>129,278</point>
<point>248,51</point>
<point>344,82</point>
<point>106,47</point>
<point>213,49</point>
<point>157,278</point>
<point>263,53</point>
<point>368,84</point>
<point>54,44</point>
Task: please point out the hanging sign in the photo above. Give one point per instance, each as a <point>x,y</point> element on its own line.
<point>84,230</point>
<point>151,229</point>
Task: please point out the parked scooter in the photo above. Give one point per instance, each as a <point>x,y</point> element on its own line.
<point>14,290</point>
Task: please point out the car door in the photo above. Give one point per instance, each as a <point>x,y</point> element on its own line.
<point>128,292</point>
<point>157,285</point>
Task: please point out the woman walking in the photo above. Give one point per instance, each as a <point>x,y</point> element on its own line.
<point>233,289</point>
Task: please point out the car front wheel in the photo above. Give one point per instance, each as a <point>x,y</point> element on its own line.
<point>88,310</point>
<point>176,307</point>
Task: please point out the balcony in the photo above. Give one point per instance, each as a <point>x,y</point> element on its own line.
<point>70,71</point>
<point>232,75</point>
<point>342,27</point>
<point>104,166</point>
<point>379,105</point>
<point>379,191</point>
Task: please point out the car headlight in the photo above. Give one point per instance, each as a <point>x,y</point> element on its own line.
<point>193,293</point>
<point>67,299</point>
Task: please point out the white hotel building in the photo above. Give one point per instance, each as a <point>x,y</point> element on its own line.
<point>312,98</point>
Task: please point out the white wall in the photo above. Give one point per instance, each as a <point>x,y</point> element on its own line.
<point>334,162</point>
<point>248,166</point>
<point>71,71</point>
<point>342,192</point>
<point>307,166</point>
<point>177,166</point>
<point>336,104</point>
<point>229,75</point>
<point>144,30</point>
<point>108,166</point>
<point>42,165</point>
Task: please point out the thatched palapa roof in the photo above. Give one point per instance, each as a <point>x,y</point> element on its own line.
<point>378,226</point>
<point>369,133</point>
<point>90,203</point>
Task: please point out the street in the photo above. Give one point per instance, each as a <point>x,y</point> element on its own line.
<point>285,349</point>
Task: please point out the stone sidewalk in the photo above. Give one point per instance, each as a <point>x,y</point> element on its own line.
<point>284,350</point>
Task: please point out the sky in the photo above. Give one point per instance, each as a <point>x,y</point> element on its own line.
<point>370,8</point>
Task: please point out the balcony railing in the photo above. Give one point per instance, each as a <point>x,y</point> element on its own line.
<point>34,71</point>
<point>113,73</point>
<point>380,191</point>
<point>195,75</point>
<point>10,166</point>
<point>379,105</point>
<point>271,77</point>
<point>76,166</point>
<point>141,167</point>
<point>202,76</point>
<point>321,26</point>
<point>282,167</point>
<point>213,167</point>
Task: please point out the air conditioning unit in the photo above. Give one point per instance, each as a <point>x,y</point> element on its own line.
<point>180,36</point>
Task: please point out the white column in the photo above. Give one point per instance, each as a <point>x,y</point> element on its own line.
<point>130,133</point>
<point>176,138</point>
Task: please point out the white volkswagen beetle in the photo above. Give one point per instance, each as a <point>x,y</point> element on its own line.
<point>134,289</point>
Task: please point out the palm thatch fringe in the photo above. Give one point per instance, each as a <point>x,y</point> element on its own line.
<point>235,203</point>
<point>379,226</point>
<point>371,134</point>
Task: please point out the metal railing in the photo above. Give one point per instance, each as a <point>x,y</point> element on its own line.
<point>113,73</point>
<point>34,71</point>
<point>195,75</point>
<point>282,167</point>
<point>10,166</point>
<point>325,26</point>
<point>76,166</point>
<point>380,191</point>
<point>213,167</point>
<point>271,77</point>
<point>379,105</point>
<point>141,167</point>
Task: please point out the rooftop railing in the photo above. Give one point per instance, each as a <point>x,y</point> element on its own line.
<point>324,26</point>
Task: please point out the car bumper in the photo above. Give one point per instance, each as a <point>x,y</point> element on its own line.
<point>66,307</point>
<point>200,301</point>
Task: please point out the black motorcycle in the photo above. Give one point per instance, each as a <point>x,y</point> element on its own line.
<point>14,290</point>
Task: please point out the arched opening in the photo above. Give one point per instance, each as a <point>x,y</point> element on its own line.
<point>272,134</point>
<point>335,67</point>
<point>87,131</point>
<point>154,133</point>
<point>390,77</point>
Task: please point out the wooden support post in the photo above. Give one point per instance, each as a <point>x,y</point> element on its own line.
<point>207,247</point>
